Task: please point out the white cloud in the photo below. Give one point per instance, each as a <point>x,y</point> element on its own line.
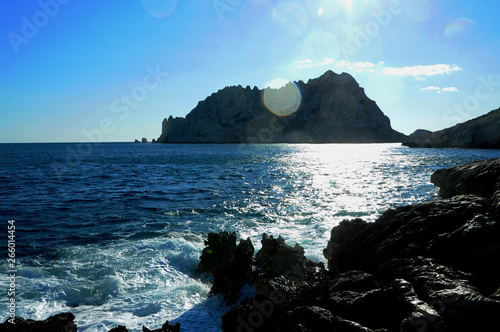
<point>308,63</point>
<point>420,73</point>
<point>417,71</point>
<point>355,65</point>
<point>430,88</point>
<point>439,90</point>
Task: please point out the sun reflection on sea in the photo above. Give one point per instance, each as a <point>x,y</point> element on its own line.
<point>317,186</point>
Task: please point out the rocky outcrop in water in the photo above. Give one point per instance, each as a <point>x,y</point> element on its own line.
<point>331,109</point>
<point>230,264</point>
<point>58,323</point>
<point>165,328</point>
<point>479,178</point>
<point>424,267</point>
<point>482,133</point>
<point>65,323</point>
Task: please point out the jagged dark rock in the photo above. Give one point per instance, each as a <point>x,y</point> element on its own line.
<point>479,177</point>
<point>407,231</point>
<point>276,259</point>
<point>313,319</point>
<point>59,323</point>
<point>453,295</point>
<point>165,328</point>
<point>420,310</point>
<point>137,141</point>
<point>230,264</point>
<point>424,267</point>
<point>481,132</point>
<point>333,109</point>
<point>496,203</point>
<point>119,328</point>
<point>144,140</point>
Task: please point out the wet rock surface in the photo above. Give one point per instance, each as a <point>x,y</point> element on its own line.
<point>165,328</point>
<point>230,264</point>
<point>478,177</point>
<point>58,323</point>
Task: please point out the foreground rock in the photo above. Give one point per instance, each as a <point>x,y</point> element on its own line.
<point>165,328</point>
<point>331,109</point>
<point>425,267</point>
<point>230,264</point>
<point>479,177</point>
<point>58,323</point>
<point>65,323</point>
<point>480,133</point>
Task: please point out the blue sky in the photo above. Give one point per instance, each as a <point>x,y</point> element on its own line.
<point>77,71</point>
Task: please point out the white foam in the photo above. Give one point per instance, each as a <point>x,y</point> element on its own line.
<point>145,282</point>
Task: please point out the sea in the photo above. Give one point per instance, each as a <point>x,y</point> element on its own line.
<point>113,232</point>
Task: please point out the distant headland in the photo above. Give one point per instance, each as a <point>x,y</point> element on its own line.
<point>480,133</point>
<point>330,109</point>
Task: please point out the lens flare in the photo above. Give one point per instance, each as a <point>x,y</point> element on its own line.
<point>323,8</point>
<point>160,8</point>
<point>459,27</point>
<point>282,97</point>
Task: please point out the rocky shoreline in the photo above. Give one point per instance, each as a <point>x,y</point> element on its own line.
<point>423,267</point>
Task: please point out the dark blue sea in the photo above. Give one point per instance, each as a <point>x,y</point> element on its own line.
<point>113,232</point>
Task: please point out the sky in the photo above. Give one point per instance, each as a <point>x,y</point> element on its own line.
<point>92,71</point>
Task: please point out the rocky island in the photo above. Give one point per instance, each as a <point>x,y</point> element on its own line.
<point>330,109</point>
<point>481,133</point>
